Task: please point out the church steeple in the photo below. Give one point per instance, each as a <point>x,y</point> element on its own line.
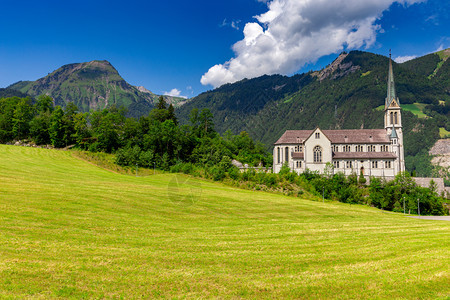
<point>393,120</point>
<point>392,109</point>
<point>390,85</point>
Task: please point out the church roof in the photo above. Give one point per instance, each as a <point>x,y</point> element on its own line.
<point>345,136</point>
<point>294,136</point>
<point>298,155</point>
<point>364,155</point>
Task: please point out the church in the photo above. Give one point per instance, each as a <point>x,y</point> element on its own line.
<point>372,152</point>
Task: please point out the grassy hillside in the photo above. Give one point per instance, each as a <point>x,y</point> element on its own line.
<point>71,229</point>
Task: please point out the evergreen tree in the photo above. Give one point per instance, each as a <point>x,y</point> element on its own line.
<point>56,129</point>
<point>39,128</point>
<point>206,122</point>
<point>21,118</point>
<point>161,103</point>
<point>171,114</point>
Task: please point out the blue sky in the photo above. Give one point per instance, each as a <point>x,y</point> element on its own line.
<point>175,46</point>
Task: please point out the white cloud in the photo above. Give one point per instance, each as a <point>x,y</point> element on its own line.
<point>174,93</point>
<point>233,24</point>
<point>440,48</point>
<point>293,33</point>
<point>402,59</point>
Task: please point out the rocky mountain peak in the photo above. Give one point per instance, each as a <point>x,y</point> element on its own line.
<point>143,90</point>
<point>337,68</point>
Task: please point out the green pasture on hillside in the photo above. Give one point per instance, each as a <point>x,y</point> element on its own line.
<point>71,229</point>
<point>416,108</point>
<point>443,133</point>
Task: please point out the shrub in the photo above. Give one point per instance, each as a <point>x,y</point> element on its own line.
<point>234,173</point>
<point>187,168</point>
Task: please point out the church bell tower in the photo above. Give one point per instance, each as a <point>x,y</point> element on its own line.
<point>393,121</point>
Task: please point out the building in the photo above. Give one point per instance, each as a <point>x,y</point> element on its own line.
<point>374,152</point>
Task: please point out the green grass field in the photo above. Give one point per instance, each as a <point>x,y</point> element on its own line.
<point>71,229</point>
<point>416,108</point>
<point>443,133</point>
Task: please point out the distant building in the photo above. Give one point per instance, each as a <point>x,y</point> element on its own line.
<point>374,152</point>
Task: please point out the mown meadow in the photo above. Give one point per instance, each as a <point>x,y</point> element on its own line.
<point>71,229</point>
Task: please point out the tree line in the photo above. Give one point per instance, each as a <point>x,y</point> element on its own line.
<point>159,141</point>
<point>156,140</point>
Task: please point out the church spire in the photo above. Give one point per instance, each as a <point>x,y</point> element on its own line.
<point>391,85</point>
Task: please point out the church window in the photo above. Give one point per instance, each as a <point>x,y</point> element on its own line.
<point>388,164</point>
<point>374,164</point>
<point>384,148</point>
<point>278,154</point>
<point>347,148</point>
<point>349,164</point>
<point>335,148</point>
<point>317,154</point>
<point>299,164</point>
<point>359,148</point>
<point>298,148</point>
<point>286,154</point>
<point>394,142</point>
<point>392,118</point>
<point>317,135</point>
<point>395,118</point>
<point>336,164</point>
<point>371,148</point>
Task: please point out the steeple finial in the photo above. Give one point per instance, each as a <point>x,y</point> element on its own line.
<point>391,85</point>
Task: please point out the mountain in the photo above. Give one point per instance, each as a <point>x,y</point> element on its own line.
<point>6,93</point>
<point>91,86</point>
<point>349,93</point>
<point>435,66</point>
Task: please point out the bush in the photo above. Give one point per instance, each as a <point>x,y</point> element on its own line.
<point>129,156</point>
<point>187,168</point>
<point>216,173</point>
<point>147,159</point>
<point>234,173</point>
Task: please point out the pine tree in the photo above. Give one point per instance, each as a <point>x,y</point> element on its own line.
<point>161,103</point>
<point>171,115</point>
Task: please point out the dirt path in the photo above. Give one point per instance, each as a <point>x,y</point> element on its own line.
<point>440,218</point>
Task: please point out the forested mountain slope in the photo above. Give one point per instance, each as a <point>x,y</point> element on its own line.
<point>347,94</point>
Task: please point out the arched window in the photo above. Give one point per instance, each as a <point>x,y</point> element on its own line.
<point>286,154</point>
<point>317,154</point>
<point>278,154</point>
<point>395,118</point>
<point>392,118</point>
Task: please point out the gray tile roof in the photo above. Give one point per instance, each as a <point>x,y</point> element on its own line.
<point>345,136</point>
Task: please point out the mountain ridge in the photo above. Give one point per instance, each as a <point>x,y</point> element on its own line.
<point>92,85</point>
<point>344,95</point>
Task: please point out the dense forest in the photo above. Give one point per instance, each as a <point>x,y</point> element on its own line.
<point>154,140</point>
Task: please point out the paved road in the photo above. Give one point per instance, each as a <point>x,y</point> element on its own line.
<point>440,218</point>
